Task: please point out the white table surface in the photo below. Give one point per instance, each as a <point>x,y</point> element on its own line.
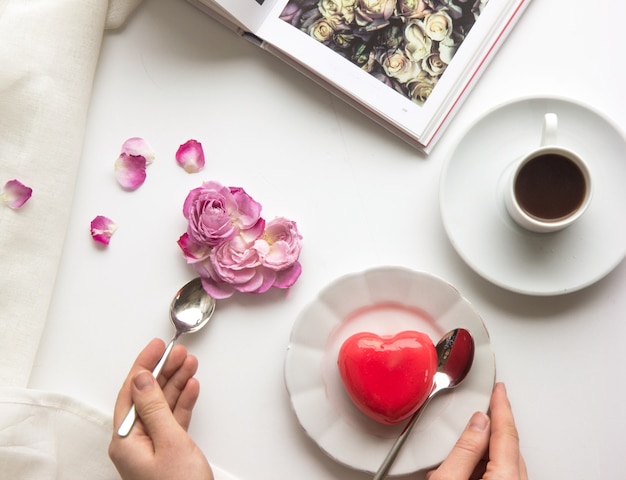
<point>361,198</point>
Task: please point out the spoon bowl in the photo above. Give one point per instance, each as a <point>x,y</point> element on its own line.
<point>190,310</point>
<point>455,355</point>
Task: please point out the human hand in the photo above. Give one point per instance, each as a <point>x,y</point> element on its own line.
<point>488,449</point>
<point>158,446</point>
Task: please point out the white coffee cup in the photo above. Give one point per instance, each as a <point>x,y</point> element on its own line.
<point>550,187</point>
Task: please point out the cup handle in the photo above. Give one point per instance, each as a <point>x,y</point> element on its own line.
<point>550,125</point>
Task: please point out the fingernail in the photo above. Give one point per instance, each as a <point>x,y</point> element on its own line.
<point>479,422</point>
<point>143,381</point>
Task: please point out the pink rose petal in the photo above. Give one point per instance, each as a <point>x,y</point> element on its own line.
<point>190,156</point>
<point>286,278</point>
<point>102,228</point>
<point>194,252</point>
<point>138,147</point>
<point>217,290</point>
<point>15,194</point>
<point>130,171</point>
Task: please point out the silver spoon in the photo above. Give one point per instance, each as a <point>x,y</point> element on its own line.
<point>455,353</point>
<point>190,310</point>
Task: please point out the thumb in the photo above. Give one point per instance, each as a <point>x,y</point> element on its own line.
<point>152,407</point>
<point>468,451</point>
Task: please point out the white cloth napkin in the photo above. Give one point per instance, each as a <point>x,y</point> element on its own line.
<point>47,436</point>
<point>48,56</point>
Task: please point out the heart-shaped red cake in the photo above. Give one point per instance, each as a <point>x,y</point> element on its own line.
<point>388,378</point>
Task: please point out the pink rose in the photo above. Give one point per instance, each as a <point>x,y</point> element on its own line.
<point>235,265</point>
<point>253,265</point>
<point>232,248</point>
<point>283,244</point>
<point>217,213</point>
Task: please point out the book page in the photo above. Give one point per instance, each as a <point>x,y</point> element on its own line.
<point>409,61</point>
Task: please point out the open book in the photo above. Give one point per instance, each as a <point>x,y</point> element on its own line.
<point>405,63</point>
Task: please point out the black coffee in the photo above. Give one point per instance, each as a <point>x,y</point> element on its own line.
<point>550,187</point>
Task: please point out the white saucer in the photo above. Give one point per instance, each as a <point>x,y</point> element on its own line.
<point>385,301</point>
<point>479,227</point>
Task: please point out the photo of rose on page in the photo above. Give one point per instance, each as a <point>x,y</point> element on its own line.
<point>406,44</point>
<point>407,64</point>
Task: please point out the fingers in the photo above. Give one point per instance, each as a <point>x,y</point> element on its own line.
<point>504,451</point>
<point>177,357</point>
<point>146,360</point>
<point>178,369</point>
<point>468,451</point>
<point>153,408</point>
<point>162,410</point>
<point>174,384</point>
<point>181,391</point>
<point>499,435</point>
<point>186,401</point>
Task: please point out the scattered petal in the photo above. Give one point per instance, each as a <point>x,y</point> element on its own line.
<point>15,194</point>
<point>138,147</point>
<point>130,171</point>
<point>190,156</point>
<point>102,228</point>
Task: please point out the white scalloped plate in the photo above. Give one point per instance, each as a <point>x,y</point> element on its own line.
<point>383,300</point>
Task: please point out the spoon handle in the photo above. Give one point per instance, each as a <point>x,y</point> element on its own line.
<point>128,422</point>
<point>397,446</point>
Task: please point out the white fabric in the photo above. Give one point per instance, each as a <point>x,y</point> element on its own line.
<point>119,11</point>
<point>47,436</point>
<point>48,56</point>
